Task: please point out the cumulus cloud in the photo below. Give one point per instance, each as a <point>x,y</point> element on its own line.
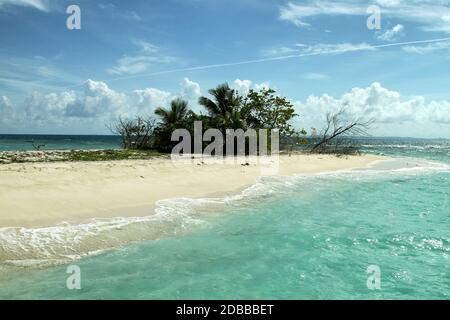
<point>52,107</point>
<point>392,34</point>
<point>147,100</point>
<point>386,107</point>
<point>263,85</point>
<point>190,89</point>
<point>97,101</point>
<point>244,86</point>
<point>97,104</point>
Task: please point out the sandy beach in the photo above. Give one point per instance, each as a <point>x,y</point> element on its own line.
<point>48,194</point>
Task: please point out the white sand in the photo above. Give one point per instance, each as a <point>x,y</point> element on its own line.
<point>47,194</point>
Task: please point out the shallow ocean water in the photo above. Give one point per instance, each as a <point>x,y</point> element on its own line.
<point>304,237</point>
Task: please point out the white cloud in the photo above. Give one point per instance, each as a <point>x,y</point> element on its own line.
<point>131,65</point>
<point>263,85</point>
<point>41,5</point>
<point>388,108</point>
<point>244,86</point>
<point>147,56</point>
<point>429,48</point>
<point>190,89</point>
<point>147,100</point>
<point>391,34</point>
<point>97,102</point>
<point>335,48</point>
<point>96,106</point>
<point>431,15</point>
<point>388,3</point>
<point>297,13</point>
<point>48,108</point>
<point>323,48</point>
<point>99,99</point>
<point>280,51</point>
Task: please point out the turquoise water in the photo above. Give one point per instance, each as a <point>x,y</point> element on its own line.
<point>13,142</point>
<point>305,237</point>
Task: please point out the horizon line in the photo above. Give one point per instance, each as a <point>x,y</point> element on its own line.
<point>112,135</point>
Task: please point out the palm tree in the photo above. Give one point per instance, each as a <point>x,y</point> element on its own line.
<point>225,102</point>
<point>178,111</point>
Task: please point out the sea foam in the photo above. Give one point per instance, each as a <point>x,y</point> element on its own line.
<point>40,247</point>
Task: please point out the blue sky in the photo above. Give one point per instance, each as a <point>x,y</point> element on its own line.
<point>133,56</point>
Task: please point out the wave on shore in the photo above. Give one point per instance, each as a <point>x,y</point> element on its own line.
<point>41,247</point>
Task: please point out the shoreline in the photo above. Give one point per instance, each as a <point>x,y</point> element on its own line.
<point>34,195</point>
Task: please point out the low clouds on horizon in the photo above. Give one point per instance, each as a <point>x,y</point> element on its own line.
<point>99,104</point>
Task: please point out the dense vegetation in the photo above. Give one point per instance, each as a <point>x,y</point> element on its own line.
<point>223,109</point>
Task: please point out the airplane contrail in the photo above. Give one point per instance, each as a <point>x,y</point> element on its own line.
<point>362,47</point>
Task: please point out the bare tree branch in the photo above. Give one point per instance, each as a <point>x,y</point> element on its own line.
<point>136,133</point>
<point>337,131</point>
